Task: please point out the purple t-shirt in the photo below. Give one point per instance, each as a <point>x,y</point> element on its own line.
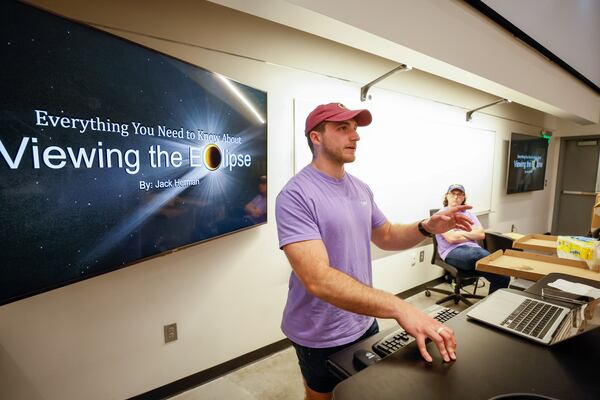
<point>444,247</point>
<point>341,213</point>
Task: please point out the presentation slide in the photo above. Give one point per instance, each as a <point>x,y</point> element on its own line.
<point>526,163</point>
<point>111,153</point>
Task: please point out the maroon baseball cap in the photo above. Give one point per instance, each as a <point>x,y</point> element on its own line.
<point>336,112</point>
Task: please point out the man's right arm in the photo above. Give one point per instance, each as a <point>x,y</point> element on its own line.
<point>310,263</point>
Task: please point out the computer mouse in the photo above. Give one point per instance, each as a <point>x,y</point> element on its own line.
<point>363,358</point>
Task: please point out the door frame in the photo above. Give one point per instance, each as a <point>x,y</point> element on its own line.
<point>559,177</point>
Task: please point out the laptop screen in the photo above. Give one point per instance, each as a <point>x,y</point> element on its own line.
<point>581,319</point>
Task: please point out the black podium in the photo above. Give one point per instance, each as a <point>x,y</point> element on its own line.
<point>489,363</point>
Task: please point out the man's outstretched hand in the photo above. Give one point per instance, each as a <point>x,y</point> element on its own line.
<point>451,218</point>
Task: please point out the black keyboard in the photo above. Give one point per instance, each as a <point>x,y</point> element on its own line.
<point>399,338</point>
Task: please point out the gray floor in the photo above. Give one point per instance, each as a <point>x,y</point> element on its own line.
<point>277,377</point>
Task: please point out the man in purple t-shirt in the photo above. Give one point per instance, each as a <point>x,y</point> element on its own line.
<point>326,219</point>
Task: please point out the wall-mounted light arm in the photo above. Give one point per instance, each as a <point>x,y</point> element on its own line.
<point>501,101</point>
<point>365,89</point>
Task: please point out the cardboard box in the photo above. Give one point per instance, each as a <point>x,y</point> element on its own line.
<point>596,213</point>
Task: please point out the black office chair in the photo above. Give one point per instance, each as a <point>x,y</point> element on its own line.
<point>461,279</point>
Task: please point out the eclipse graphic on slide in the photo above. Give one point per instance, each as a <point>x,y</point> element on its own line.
<point>212,156</point>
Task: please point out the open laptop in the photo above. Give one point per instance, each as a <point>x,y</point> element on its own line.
<point>548,319</point>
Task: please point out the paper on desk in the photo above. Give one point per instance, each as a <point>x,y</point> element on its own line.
<point>576,288</point>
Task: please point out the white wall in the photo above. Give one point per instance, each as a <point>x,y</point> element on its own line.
<point>102,338</point>
<point>446,38</point>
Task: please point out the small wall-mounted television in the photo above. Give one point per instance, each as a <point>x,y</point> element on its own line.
<point>112,153</point>
<point>526,163</point>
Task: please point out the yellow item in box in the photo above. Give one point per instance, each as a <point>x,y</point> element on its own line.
<point>580,248</point>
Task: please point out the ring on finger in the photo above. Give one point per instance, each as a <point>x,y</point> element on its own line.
<point>439,330</point>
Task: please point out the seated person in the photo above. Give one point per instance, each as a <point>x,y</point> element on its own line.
<point>256,209</point>
<point>460,248</point>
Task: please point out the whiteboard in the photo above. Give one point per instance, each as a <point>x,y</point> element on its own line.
<point>412,151</point>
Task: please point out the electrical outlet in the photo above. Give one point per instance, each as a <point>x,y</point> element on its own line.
<point>422,256</point>
<point>170,332</point>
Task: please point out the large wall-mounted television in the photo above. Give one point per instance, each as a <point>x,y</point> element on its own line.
<point>526,163</point>
<point>112,153</point>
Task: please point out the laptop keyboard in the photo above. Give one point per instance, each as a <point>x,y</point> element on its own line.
<point>532,318</point>
<point>399,338</point>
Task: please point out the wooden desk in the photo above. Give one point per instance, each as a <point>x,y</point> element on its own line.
<point>513,235</point>
<point>533,266</point>
<point>542,243</point>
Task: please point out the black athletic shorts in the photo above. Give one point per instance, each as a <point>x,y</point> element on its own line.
<point>313,363</point>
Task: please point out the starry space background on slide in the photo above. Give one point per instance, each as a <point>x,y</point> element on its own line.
<point>59,226</point>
